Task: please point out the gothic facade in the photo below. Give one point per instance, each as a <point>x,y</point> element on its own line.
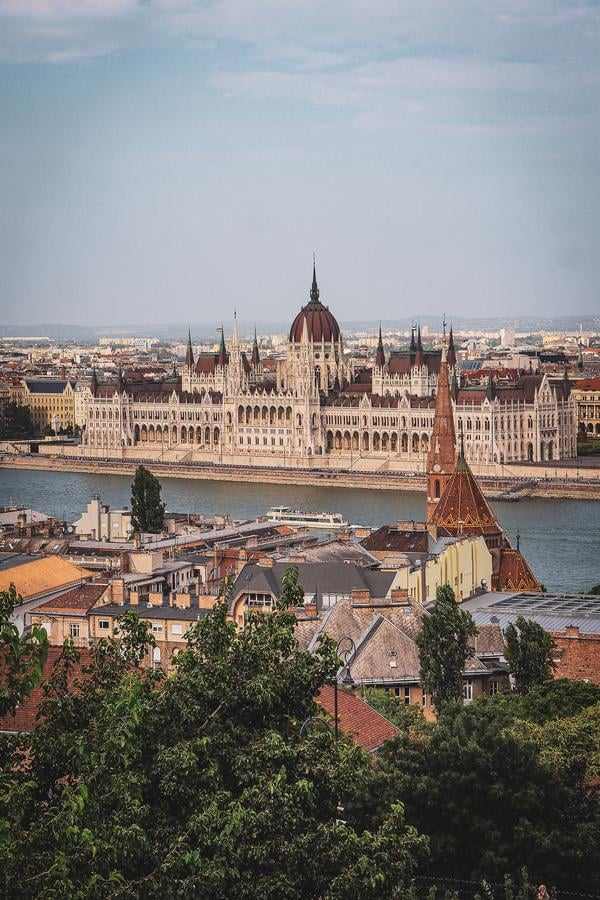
<point>314,403</point>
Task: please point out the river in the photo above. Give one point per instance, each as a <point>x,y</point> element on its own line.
<point>559,538</point>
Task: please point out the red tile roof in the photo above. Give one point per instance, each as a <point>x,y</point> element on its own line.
<point>462,508</point>
<point>356,718</point>
<point>25,717</point>
<point>79,599</point>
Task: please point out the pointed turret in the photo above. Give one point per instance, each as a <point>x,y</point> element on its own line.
<point>419,360</point>
<point>380,355</point>
<point>580,354</point>
<point>235,338</point>
<point>120,382</point>
<point>255,359</point>
<point>222,357</point>
<point>454,386</point>
<point>94,382</point>
<point>189,353</point>
<point>490,389</point>
<point>413,346</point>
<point>441,458</point>
<point>451,350</point>
<point>566,384</point>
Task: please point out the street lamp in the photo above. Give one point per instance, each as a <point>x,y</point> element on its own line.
<point>343,677</point>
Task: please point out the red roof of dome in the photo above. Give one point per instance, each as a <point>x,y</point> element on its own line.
<point>320,322</point>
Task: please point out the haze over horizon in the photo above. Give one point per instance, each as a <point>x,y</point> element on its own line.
<point>171,160</point>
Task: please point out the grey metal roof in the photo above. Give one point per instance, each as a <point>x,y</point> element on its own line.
<point>48,387</point>
<point>150,612</point>
<point>553,611</point>
<point>319,578</point>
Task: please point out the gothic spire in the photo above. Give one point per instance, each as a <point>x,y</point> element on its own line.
<point>94,382</point>
<point>441,458</point>
<point>413,346</point>
<point>255,359</point>
<point>189,354</point>
<point>451,350</point>
<point>222,357</point>
<point>419,353</point>
<point>490,390</point>
<point>380,355</point>
<point>314,291</point>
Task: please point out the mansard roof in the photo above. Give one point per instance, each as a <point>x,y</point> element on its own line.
<point>462,508</point>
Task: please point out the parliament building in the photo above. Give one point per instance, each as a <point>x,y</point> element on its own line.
<point>315,403</point>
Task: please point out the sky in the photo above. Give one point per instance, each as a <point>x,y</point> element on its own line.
<point>173,160</point>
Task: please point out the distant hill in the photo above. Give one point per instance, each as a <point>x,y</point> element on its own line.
<point>206,330</point>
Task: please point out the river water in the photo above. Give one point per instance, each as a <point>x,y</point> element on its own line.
<point>559,538</point>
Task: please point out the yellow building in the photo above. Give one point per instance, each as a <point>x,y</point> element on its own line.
<point>586,392</point>
<point>51,401</point>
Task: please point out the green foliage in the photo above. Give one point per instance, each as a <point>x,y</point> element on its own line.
<point>557,699</point>
<point>528,652</point>
<point>444,644</point>
<point>407,716</point>
<point>292,592</point>
<point>490,801</point>
<point>568,742</point>
<point>22,656</point>
<point>198,784</point>
<point>147,511</point>
<point>16,422</point>
<point>595,590</point>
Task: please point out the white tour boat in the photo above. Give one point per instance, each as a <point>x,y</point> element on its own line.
<point>285,515</point>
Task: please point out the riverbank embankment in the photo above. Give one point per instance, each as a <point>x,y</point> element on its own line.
<point>497,488</point>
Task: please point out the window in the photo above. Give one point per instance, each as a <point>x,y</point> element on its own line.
<point>104,624</point>
<point>423,697</point>
<point>74,629</point>
<point>494,687</point>
<point>403,694</point>
<point>156,628</point>
<point>468,690</point>
<point>176,628</point>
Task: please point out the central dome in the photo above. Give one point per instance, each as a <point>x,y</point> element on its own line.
<point>321,324</point>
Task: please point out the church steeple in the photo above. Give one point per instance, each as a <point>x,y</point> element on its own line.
<point>380,355</point>
<point>413,346</point>
<point>441,458</point>
<point>314,290</point>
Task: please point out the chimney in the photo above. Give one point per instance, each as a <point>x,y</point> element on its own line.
<point>118,591</point>
<point>572,631</point>
<point>124,562</point>
<point>183,600</point>
<point>134,598</point>
<point>360,595</point>
<point>399,595</point>
<point>266,562</point>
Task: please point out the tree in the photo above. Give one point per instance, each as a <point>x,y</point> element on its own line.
<point>595,590</point>
<point>490,801</point>
<point>557,699</point>
<point>16,422</point>
<point>445,644</point>
<point>407,716</point>
<point>22,656</point>
<point>202,783</point>
<point>147,511</point>
<point>292,592</point>
<point>528,652</point>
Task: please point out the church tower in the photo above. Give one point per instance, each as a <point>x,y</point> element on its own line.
<point>441,458</point>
